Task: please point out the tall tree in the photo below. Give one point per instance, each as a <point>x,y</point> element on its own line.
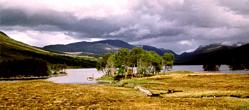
<point>135,58</point>
<point>122,57</point>
<point>102,63</point>
<point>110,66</point>
<point>155,61</point>
<point>122,61</point>
<point>168,61</point>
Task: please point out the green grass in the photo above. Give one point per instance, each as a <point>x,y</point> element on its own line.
<point>199,91</point>
<point>178,72</point>
<point>106,78</point>
<point>5,40</point>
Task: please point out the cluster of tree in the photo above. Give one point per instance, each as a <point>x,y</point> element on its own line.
<point>211,67</point>
<point>239,66</point>
<point>25,67</point>
<point>58,68</point>
<point>30,67</point>
<point>135,62</point>
<point>216,67</point>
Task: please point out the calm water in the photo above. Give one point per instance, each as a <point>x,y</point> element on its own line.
<point>198,68</point>
<point>79,76</point>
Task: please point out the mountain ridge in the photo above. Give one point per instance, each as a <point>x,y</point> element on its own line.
<point>101,47</point>
<point>217,53</point>
<point>214,53</point>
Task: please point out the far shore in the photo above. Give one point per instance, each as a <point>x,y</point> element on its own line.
<point>57,75</point>
<point>30,78</point>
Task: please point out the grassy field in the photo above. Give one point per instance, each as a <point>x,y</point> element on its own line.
<point>198,91</point>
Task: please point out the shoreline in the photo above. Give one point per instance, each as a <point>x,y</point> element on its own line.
<point>29,78</point>
<point>107,82</point>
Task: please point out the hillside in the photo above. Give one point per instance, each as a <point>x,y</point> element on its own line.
<point>216,54</point>
<point>95,48</point>
<point>160,51</point>
<point>101,47</point>
<point>13,50</point>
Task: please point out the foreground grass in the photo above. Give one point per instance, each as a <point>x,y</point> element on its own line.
<point>199,91</point>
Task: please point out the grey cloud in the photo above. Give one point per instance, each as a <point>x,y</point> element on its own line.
<point>49,20</point>
<point>154,22</point>
<point>240,7</point>
<point>203,21</point>
<point>13,17</point>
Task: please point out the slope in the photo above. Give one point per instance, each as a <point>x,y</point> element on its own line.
<point>11,49</point>
<point>216,54</point>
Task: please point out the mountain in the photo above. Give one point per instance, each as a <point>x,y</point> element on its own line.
<point>116,43</point>
<point>100,47</point>
<point>213,53</point>
<point>216,54</point>
<point>11,49</point>
<point>212,48</point>
<point>160,51</point>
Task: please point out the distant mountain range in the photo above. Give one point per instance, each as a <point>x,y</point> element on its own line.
<point>213,53</point>
<point>101,47</point>
<point>216,54</point>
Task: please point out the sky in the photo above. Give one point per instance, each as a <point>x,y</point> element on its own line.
<point>179,25</point>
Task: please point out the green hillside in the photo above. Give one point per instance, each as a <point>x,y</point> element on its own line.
<point>11,49</point>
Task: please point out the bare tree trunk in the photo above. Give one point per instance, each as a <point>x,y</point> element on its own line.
<point>126,71</point>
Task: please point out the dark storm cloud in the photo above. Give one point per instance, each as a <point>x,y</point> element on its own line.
<point>55,21</point>
<point>175,24</point>
<point>191,19</point>
<point>203,21</point>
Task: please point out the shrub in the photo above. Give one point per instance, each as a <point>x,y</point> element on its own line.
<point>236,67</point>
<point>211,67</point>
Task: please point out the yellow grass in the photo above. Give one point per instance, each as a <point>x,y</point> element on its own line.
<point>199,91</point>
